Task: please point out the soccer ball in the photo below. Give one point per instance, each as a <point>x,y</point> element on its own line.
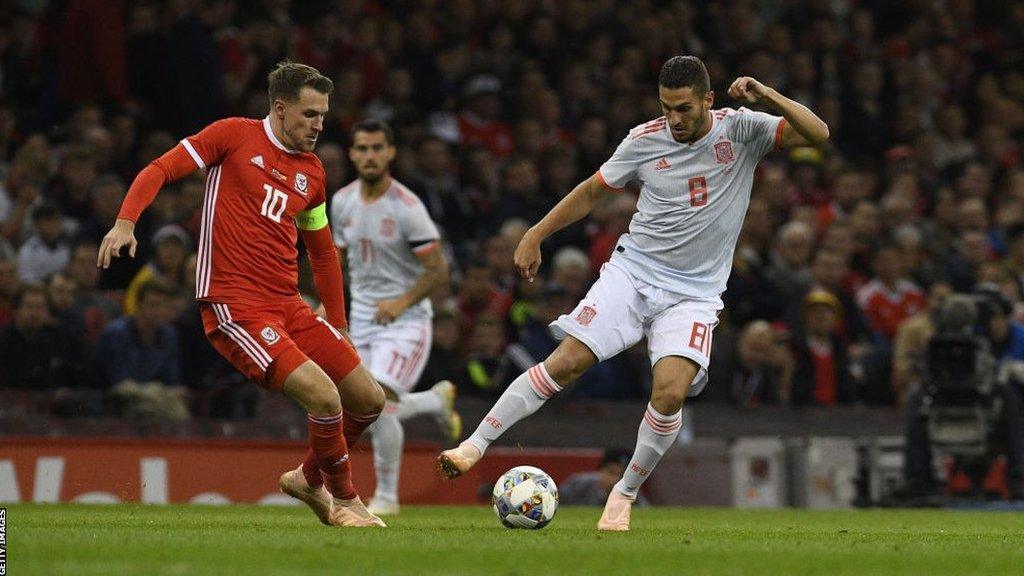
<point>525,497</point>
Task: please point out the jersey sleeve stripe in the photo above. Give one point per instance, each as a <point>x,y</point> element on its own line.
<point>603,182</point>
<point>778,133</point>
<point>192,152</point>
<point>426,248</point>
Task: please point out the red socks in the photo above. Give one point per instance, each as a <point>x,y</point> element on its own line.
<point>320,432</point>
<point>311,470</point>
<point>331,455</point>
<point>354,424</point>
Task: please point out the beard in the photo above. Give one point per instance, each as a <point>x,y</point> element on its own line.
<point>371,177</point>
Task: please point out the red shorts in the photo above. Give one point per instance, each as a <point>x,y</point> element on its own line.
<point>251,336</point>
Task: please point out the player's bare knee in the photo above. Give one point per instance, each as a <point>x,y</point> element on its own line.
<point>378,398</point>
<point>323,400</point>
<point>669,393</point>
<point>569,361</point>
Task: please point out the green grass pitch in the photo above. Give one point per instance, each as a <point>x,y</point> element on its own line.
<point>247,540</point>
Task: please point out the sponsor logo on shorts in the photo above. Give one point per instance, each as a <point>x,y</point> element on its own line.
<point>269,335</point>
<point>586,316</point>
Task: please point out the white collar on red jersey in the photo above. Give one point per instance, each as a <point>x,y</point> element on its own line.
<point>273,138</point>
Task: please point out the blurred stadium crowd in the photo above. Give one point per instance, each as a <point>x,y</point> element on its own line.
<point>499,109</point>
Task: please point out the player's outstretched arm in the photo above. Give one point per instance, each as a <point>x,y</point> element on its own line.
<point>574,206</point>
<point>803,127</point>
<point>173,165</point>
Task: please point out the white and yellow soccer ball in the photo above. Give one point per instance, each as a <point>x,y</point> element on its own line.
<point>525,497</point>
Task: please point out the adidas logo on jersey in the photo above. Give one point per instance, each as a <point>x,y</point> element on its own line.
<point>257,160</point>
<point>662,165</point>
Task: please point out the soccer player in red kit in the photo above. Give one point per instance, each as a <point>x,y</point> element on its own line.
<point>264,186</point>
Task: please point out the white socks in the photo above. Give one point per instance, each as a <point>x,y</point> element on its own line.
<point>657,433</point>
<point>416,403</point>
<point>388,437</point>
<point>524,396</point>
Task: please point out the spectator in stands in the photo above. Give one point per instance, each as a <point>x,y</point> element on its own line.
<point>498,250</point>
<point>571,269</point>
<point>332,156</point>
<point>446,360</point>
<point>107,194</point>
<point>9,286</point>
<point>70,189</point>
<point>911,339</point>
<point>142,347</point>
<point>971,251</point>
<point>46,251</point>
<point>790,270</point>
<point>96,309</point>
<point>890,298</point>
<point>478,293</point>
<point>61,292</point>
<point>521,195</point>
<point>611,221</point>
<point>35,354</point>
<point>20,191</point>
<point>592,488</point>
<point>886,301</point>
<point>171,245</point>
<point>765,371</point>
<point>822,373</point>
<point>488,369</point>
<point>829,272</point>
<point>480,123</point>
<point>436,184</point>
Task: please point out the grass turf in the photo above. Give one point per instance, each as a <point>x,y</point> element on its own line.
<point>245,540</point>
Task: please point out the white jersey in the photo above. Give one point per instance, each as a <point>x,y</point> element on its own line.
<point>693,198</point>
<point>382,240</point>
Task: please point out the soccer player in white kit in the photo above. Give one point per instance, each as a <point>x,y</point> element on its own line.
<point>695,166</point>
<point>394,258</point>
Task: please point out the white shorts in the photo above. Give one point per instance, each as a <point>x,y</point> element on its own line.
<point>619,310</point>
<point>395,354</point>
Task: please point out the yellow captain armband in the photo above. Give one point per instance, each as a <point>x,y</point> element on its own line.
<point>313,219</point>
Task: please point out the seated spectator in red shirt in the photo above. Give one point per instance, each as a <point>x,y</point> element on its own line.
<point>478,294</point>
<point>480,122</point>
<point>889,298</point>
<point>822,375</point>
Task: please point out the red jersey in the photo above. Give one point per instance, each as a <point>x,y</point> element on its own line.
<point>885,309</point>
<point>255,190</point>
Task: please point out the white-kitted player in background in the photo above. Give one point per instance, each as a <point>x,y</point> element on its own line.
<point>695,167</point>
<point>393,253</point>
